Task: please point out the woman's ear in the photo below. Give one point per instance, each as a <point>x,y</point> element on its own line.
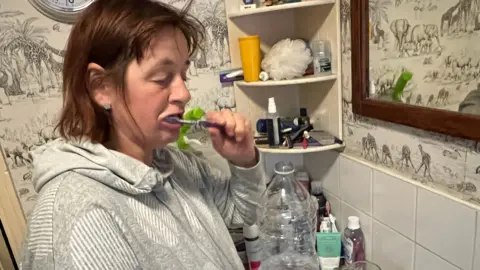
<point>101,91</point>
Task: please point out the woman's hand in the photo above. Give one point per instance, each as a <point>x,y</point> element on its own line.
<point>236,144</point>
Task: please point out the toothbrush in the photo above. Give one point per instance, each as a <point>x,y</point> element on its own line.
<point>201,123</point>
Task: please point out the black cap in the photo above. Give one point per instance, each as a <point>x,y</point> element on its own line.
<point>303,111</point>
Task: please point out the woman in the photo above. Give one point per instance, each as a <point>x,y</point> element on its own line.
<point>112,194</point>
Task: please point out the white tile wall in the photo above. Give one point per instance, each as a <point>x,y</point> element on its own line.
<point>446,228</point>
<point>391,250</point>
<point>326,170</point>
<point>425,259</point>
<point>394,203</point>
<point>356,184</point>
<point>407,227</point>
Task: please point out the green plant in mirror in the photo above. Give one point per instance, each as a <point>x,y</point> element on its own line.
<point>400,86</point>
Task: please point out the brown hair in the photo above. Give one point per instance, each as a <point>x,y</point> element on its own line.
<point>112,33</point>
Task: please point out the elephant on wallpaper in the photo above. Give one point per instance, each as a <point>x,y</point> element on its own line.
<point>422,33</point>
<point>400,28</point>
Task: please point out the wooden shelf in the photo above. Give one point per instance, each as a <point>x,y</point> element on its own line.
<point>311,149</point>
<point>287,6</point>
<point>302,80</point>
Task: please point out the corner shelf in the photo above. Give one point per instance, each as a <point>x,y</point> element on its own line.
<point>320,95</point>
<point>286,6</point>
<point>296,81</point>
<point>311,149</point>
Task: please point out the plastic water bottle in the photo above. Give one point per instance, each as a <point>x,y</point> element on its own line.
<point>287,232</point>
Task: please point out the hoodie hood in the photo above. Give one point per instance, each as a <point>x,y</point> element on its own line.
<point>99,163</point>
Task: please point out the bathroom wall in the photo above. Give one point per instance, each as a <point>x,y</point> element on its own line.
<point>418,211</point>
<point>30,102</point>
<point>407,225</point>
<point>447,164</point>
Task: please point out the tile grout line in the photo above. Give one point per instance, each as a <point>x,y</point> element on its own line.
<point>340,180</point>
<point>415,216</point>
<point>371,210</point>
<point>414,255</point>
<point>371,191</point>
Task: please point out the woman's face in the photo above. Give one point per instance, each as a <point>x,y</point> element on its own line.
<point>155,89</point>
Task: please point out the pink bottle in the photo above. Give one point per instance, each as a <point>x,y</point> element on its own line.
<point>353,241</point>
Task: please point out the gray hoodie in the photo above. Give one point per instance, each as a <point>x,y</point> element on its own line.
<point>101,209</point>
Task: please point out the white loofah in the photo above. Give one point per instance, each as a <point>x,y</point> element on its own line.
<point>287,59</point>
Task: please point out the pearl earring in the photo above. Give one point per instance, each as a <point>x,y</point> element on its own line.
<point>107,107</point>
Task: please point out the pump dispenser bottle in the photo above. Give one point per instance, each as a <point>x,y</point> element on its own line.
<point>273,124</point>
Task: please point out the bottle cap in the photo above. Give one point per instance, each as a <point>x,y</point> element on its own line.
<point>263,76</point>
<point>353,222</point>
<point>272,108</point>
<point>303,111</point>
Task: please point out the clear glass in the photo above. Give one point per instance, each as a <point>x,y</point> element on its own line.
<point>322,57</point>
<point>286,227</point>
<point>362,265</point>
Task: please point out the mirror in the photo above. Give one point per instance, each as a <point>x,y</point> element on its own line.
<point>417,63</point>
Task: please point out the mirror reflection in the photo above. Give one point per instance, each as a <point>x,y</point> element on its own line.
<point>426,53</point>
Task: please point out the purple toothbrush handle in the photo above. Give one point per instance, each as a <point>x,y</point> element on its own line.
<point>207,124</point>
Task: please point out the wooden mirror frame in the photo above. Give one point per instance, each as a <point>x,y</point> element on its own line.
<point>442,121</point>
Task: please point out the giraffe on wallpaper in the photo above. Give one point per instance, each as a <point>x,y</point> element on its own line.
<point>372,146</point>
<point>406,157</point>
<point>35,54</point>
<point>426,159</point>
<point>219,34</point>
<point>369,148</point>
<point>386,155</point>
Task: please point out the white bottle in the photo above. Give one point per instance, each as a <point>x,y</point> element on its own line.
<point>273,124</point>
<point>252,245</point>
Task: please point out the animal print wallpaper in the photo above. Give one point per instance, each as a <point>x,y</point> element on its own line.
<point>31,60</point>
<point>440,49</point>
<point>31,51</point>
<point>436,40</point>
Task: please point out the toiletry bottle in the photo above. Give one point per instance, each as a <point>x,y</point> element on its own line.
<point>273,124</point>
<point>353,241</point>
<point>303,119</point>
<point>252,243</point>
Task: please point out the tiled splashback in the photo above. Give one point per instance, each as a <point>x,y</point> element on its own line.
<point>407,226</point>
